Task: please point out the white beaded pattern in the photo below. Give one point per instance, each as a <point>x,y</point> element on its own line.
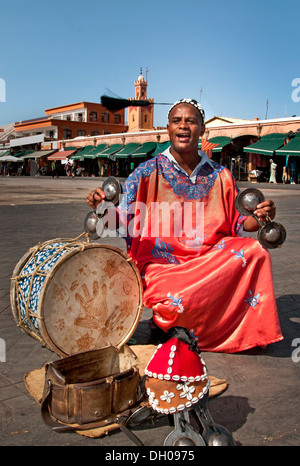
<point>175,377</point>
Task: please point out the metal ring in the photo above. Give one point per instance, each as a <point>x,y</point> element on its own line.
<point>268,218</point>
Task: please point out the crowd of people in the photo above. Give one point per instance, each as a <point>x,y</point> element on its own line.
<point>72,168</point>
<point>267,169</point>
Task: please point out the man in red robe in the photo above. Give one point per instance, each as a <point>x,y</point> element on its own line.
<point>199,269</point>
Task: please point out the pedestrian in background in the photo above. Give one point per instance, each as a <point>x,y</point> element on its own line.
<point>273,170</point>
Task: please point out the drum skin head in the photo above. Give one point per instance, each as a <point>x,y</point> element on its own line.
<point>90,299</point>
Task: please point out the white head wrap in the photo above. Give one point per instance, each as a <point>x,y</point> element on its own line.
<point>191,102</point>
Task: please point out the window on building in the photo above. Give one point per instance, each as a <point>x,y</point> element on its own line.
<point>93,116</point>
<point>67,133</point>
<point>81,132</point>
<point>95,133</point>
<point>146,118</point>
<point>68,117</point>
<point>79,117</point>
<point>117,118</point>
<point>105,117</point>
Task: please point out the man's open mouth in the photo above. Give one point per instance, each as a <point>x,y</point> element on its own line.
<point>183,137</point>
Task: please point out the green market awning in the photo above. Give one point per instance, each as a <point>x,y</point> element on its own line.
<point>146,149</point>
<point>37,154</point>
<point>127,150</point>
<point>22,153</point>
<point>207,146</point>
<point>110,152</point>
<point>85,150</point>
<point>161,147</point>
<point>94,153</point>
<point>222,141</point>
<point>291,148</point>
<point>80,155</point>
<point>274,136</point>
<point>77,157</point>
<point>267,145</point>
<point>72,148</point>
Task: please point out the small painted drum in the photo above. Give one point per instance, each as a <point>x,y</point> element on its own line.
<point>73,296</point>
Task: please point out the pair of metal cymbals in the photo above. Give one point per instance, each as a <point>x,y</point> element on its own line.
<point>271,234</point>
<point>93,223</point>
<point>193,426</point>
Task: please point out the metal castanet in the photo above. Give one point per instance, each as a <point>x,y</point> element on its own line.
<point>93,223</point>
<point>112,189</point>
<point>271,234</point>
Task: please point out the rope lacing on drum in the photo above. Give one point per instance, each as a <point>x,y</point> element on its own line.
<point>68,245</point>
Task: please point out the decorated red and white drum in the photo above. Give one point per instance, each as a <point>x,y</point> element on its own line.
<point>74,296</point>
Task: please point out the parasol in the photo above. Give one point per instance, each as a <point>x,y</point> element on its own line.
<point>10,158</point>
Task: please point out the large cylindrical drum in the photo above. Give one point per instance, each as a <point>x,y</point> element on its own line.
<point>74,296</point>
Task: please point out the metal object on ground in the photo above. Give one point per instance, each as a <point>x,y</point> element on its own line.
<point>271,234</point>
<point>142,414</point>
<point>183,434</point>
<point>195,427</point>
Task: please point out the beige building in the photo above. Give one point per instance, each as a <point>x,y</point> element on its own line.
<point>141,118</point>
<point>236,140</point>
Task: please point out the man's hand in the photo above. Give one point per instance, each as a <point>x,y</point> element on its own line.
<point>263,211</point>
<point>95,198</point>
<point>110,216</point>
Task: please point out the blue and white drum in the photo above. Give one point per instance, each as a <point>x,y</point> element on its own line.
<point>73,296</point>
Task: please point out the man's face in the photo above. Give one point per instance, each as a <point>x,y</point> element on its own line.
<point>185,128</point>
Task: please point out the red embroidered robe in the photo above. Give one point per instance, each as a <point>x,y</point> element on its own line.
<point>203,276</point>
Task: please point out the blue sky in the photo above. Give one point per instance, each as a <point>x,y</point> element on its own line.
<point>231,55</point>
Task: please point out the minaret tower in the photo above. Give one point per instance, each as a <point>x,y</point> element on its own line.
<point>140,118</point>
